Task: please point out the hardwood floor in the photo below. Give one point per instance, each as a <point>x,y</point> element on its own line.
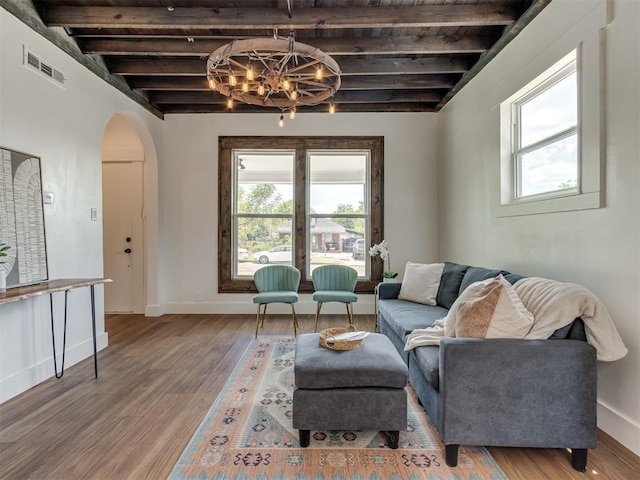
<point>158,378</point>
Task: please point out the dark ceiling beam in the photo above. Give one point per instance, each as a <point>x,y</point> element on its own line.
<point>302,18</point>
<point>370,96</point>
<point>385,82</point>
<point>536,7</point>
<point>157,66</point>
<point>407,66</point>
<point>433,44</point>
<point>349,66</point>
<point>177,108</point>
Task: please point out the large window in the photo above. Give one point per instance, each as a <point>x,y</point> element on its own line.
<point>299,201</point>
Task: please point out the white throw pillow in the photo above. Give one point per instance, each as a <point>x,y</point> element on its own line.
<point>490,309</point>
<point>420,282</point>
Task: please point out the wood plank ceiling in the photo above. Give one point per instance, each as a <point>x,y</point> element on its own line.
<point>395,55</point>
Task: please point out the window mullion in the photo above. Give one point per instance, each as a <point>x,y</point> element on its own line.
<point>548,141</point>
<point>300,209</point>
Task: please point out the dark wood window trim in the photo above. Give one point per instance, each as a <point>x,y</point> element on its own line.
<point>226,145</point>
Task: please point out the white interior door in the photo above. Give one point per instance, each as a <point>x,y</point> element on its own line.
<point>123,233</point>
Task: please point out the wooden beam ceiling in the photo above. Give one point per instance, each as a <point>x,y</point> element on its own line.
<point>393,56</point>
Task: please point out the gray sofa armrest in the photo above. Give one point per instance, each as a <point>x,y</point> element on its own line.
<point>528,393</point>
<point>388,290</point>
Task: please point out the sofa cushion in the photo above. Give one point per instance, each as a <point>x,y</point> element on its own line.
<point>388,290</point>
<point>450,281</point>
<point>490,309</point>
<point>477,274</point>
<point>428,361</point>
<point>420,282</point>
<point>403,317</point>
<point>513,277</point>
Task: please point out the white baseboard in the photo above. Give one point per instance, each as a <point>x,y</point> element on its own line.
<point>154,310</point>
<point>623,429</point>
<point>38,373</point>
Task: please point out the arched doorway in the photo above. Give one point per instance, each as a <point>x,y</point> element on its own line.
<point>124,236</point>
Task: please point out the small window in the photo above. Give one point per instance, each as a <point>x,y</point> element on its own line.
<point>552,128</point>
<point>545,152</point>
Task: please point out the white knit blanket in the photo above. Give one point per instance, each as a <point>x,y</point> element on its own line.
<point>554,305</point>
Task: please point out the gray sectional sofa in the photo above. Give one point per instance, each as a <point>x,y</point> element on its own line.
<point>496,392</point>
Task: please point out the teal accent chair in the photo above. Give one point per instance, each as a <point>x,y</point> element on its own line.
<point>276,284</point>
<point>334,283</point>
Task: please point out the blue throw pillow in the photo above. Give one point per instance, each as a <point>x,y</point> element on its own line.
<point>452,276</point>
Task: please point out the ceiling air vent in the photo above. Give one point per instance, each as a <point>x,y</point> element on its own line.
<point>35,63</point>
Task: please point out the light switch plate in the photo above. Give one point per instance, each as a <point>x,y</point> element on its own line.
<point>94,214</point>
<point>48,198</point>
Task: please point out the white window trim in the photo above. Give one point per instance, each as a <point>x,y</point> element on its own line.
<point>590,192</point>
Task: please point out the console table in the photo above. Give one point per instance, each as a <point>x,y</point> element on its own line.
<point>49,288</point>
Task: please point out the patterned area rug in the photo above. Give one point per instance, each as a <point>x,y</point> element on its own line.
<point>247,434</point>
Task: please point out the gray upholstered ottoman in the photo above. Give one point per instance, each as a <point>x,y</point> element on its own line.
<point>360,389</point>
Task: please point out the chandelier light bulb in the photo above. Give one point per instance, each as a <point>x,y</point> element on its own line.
<point>319,73</point>
<point>232,80</point>
<point>332,108</point>
<point>245,87</point>
<point>292,113</point>
<point>212,83</point>
<point>294,95</point>
<point>250,74</point>
<point>229,103</point>
<point>261,89</point>
<point>286,85</point>
<point>281,121</point>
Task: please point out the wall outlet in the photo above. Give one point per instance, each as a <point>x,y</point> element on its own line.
<point>94,214</point>
<point>198,295</point>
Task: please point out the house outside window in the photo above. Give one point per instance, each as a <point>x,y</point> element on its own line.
<point>301,201</point>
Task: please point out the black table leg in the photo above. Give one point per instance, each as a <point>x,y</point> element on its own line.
<point>64,335</point>
<point>93,324</point>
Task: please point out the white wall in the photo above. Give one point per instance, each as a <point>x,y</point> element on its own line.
<point>64,127</point>
<point>597,248</point>
<point>189,188</point>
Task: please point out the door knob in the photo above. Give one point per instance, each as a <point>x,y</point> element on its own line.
<point>127,250</point>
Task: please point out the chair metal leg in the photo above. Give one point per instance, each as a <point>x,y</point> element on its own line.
<point>258,319</point>
<point>350,312</point>
<point>264,314</point>
<point>295,320</point>
<point>318,308</point>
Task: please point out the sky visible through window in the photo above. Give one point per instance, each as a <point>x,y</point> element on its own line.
<point>335,179</point>
<point>549,118</point>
